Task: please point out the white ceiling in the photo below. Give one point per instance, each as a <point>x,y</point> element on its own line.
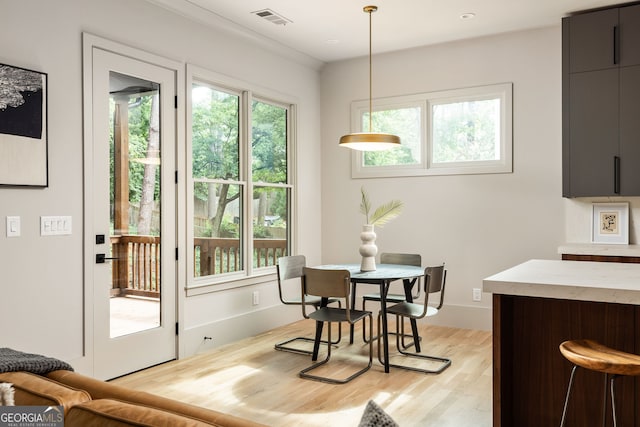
<point>331,30</point>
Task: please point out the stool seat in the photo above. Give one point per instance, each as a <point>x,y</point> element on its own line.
<point>592,355</point>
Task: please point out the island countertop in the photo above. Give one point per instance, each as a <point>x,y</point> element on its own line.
<point>574,280</point>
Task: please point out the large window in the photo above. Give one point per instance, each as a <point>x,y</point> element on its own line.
<point>241,189</point>
<point>462,131</point>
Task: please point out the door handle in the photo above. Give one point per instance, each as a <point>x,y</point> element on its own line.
<point>101,258</point>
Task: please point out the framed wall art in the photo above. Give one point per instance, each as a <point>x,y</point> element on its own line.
<point>610,223</point>
<point>23,127</point>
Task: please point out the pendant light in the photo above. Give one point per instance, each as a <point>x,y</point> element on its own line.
<point>370,141</point>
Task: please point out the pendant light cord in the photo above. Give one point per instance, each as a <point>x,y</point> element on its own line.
<point>370,76</point>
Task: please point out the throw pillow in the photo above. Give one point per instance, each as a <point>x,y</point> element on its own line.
<point>374,416</point>
<point>6,394</point>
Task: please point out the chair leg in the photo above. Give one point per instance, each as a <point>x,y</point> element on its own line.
<point>364,328</point>
<point>445,363</point>
<point>405,335</point>
<point>605,391</point>
<point>613,401</point>
<point>282,346</point>
<point>404,346</point>
<point>305,372</point>
<point>566,399</point>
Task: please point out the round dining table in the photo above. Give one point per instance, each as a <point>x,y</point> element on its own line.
<point>382,276</point>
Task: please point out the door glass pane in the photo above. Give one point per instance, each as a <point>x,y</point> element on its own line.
<point>134,204</point>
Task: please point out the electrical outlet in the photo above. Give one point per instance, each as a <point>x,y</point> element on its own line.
<point>256,297</point>
<point>477,294</point>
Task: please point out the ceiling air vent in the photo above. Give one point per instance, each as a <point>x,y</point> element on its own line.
<point>272,16</point>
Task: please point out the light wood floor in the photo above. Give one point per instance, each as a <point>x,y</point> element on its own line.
<point>250,379</point>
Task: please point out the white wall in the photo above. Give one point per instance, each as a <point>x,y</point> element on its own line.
<point>477,224</point>
<point>579,215</point>
<point>41,281</point>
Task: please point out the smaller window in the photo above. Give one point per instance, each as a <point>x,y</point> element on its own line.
<point>466,131</point>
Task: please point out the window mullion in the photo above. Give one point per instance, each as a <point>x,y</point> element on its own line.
<point>246,174</point>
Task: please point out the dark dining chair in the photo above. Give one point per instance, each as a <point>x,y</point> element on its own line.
<point>326,283</point>
<point>290,268</point>
<point>394,258</point>
<point>434,283</point>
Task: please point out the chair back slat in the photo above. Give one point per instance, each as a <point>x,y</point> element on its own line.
<point>290,267</point>
<point>326,283</point>
<point>403,259</point>
<point>435,282</point>
<point>435,276</point>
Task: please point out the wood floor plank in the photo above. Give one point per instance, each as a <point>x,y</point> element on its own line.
<point>250,379</point>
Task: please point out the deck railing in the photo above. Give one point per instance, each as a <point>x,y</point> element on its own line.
<point>215,255</point>
<point>136,271</point>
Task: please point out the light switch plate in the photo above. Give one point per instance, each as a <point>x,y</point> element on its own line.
<point>13,226</point>
<point>55,225</point>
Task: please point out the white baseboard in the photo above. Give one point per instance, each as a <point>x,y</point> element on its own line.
<point>464,317</point>
<point>232,329</point>
<point>226,331</point>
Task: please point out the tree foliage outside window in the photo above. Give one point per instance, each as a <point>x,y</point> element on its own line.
<point>221,189</point>
<point>140,108</point>
<point>468,131</point>
<point>404,122</point>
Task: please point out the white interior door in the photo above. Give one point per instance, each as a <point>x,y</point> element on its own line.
<point>134,220</point>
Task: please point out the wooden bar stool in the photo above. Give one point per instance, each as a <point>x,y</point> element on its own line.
<point>594,356</point>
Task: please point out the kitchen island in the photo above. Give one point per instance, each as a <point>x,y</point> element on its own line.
<point>541,303</point>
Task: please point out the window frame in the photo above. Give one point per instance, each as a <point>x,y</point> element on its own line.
<point>249,274</point>
<point>425,166</point>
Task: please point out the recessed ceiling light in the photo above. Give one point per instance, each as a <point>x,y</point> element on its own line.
<point>332,41</point>
<point>468,15</point>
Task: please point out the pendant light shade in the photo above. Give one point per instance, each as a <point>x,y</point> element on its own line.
<point>370,141</point>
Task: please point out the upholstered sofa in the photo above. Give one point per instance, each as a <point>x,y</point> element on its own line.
<point>90,402</point>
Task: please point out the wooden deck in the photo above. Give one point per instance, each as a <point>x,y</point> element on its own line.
<point>130,315</point>
<point>252,380</point>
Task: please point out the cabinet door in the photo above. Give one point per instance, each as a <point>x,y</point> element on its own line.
<point>630,131</point>
<point>593,132</point>
<point>630,35</point>
<point>591,40</point>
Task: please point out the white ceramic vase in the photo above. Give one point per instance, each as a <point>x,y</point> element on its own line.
<point>368,248</point>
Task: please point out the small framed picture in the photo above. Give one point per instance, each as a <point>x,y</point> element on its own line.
<point>610,223</point>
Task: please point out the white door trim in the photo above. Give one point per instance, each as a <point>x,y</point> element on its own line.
<point>89,42</point>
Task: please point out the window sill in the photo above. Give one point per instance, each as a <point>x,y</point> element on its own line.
<point>207,288</point>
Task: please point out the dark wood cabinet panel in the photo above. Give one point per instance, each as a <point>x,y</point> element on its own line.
<point>630,35</point>
<point>593,136</point>
<point>601,258</point>
<point>600,111</point>
<point>630,130</point>
<point>592,40</point>
<point>530,374</point>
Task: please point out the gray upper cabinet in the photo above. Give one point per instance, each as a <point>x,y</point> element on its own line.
<point>600,103</point>
<point>592,39</point>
